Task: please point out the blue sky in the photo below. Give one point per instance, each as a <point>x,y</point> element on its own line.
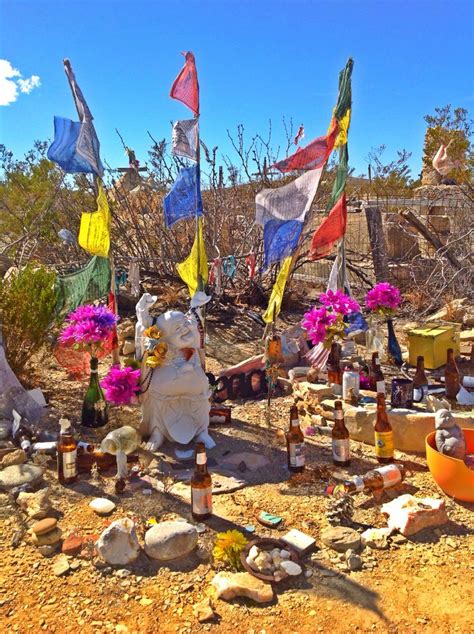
<point>257,60</point>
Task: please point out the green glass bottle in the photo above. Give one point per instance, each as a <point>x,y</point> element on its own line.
<point>94,408</point>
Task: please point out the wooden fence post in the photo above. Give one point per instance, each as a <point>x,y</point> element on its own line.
<point>377,242</point>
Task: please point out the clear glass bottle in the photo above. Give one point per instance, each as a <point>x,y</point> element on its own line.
<point>94,407</point>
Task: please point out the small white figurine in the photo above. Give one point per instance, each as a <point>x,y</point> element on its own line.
<point>175,400</point>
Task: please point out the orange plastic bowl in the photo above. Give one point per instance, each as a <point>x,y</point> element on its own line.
<point>451,474</point>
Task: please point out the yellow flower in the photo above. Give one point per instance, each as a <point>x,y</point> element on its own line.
<point>152,333</point>
<point>153,362</point>
<point>228,547</point>
<point>160,350</point>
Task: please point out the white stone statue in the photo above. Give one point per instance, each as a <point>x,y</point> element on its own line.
<point>175,403</point>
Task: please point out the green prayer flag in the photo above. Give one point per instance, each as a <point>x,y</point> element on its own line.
<point>87,284</point>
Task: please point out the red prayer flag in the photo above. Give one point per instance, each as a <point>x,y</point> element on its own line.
<point>313,156</point>
<point>332,228</point>
<point>186,87</point>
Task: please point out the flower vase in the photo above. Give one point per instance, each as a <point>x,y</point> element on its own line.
<point>95,412</point>
<point>374,336</point>
<point>393,347</point>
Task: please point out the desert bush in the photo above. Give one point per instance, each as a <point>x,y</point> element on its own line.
<point>27,301</point>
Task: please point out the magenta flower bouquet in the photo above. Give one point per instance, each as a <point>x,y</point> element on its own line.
<point>383,299</point>
<point>326,323</point>
<point>121,385</point>
<point>88,327</point>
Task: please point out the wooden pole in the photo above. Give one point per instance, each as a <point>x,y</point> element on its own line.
<point>377,243</point>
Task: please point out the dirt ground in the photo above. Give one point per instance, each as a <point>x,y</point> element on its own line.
<point>421,585</point>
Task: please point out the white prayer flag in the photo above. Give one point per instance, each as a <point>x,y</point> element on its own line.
<point>185,138</point>
<point>290,202</point>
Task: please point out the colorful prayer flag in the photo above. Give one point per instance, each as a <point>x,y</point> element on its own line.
<point>76,147</point>
<point>313,156</point>
<point>184,200</point>
<point>276,298</point>
<point>185,87</point>
<point>184,140</point>
<point>330,230</point>
<point>194,270</point>
<point>94,231</point>
<point>290,202</point>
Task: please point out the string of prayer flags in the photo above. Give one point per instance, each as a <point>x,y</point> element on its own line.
<point>184,140</point>
<point>184,200</point>
<point>185,87</point>
<point>276,298</point>
<point>195,269</point>
<point>75,147</point>
<point>84,285</point>
<point>251,262</point>
<point>94,230</point>
<point>215,275</point>
<point>332,229</point>
<point>312,156</point>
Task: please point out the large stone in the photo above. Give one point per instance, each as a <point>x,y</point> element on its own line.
<point>102,506</point>
<point>410,515</point>
<point>229,585</point>
<point>341,538</point>
<point>118,544</point>
<point>170,540</point>
<point>18,475</point>
<point>36,505</point>
<point>14,457</point>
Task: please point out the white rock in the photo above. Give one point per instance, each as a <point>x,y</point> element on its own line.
<point>284,554</point>
<point>102,506</point>
<point>118,544</point>
<point>291,568</point>
<point>253,552</point>
<point>376,538</point>
<point>36,505</point>
<point>170,540</point>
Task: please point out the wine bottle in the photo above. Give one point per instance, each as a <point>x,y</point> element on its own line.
<point>94,407</point>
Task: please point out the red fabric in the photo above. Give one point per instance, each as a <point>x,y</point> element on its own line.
<point>299,135</point>
<point>251,262</point>
<point>186,87</point>
<point>332,228</point>
<point>313,156</point>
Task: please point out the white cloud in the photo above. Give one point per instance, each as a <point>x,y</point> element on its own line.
<point>11,83</point>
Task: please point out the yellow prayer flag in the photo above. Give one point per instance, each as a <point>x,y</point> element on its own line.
<point>94,232</point>
<point>276,297</point>
<point>343,124</point>
<point>195,265</point>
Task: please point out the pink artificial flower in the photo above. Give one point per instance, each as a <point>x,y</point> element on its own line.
<point>121,385</point>
<point>88,325</point>
<point>339,302</point>
<point>383,297</point>
<point>316,322</point>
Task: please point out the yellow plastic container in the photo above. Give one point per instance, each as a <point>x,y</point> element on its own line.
<point>432,343</point>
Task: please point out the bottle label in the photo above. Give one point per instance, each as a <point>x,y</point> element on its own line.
<point>380,387</point>
<point>201,500</point>
<point>341,450</point>
<point>295,422</point>
<point>384,444</point>
<point>296,454</point>
<point>391,475</point>
<point>338,414</point>
<point>69,464</point>
<point>201,458</point>
<point>420,393</point>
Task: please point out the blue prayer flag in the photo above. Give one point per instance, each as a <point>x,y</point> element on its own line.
<point>184,200</point>
<point>64,148</point>
<point>280,239</point>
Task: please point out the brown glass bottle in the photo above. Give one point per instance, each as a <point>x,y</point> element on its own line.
<point>375,372</point>
<point>383,432</point>
<point>451,376</point>
<point>334,368</point>
<point>201,486</point>
<point>341,451</point>
<point>420,382</point>
<point>295,443</point>
<point>67,454</point>
<point>374,480</point>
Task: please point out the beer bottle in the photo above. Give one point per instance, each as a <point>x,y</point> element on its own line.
<point>383,431</point>
<point>201,486</point>
<point>94,407</point>
<point>341,452</point>
<point>420,382</point>
<point>84,447</point>
<point>375,372</point>
<point>334,369</point>
<point>22,435</point>
<point>451,376</point>
<point>374,480</point>
<point>67,453</point>
<point>295,443</point>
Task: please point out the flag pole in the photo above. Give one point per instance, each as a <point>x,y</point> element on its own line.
<point>200,281</point>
